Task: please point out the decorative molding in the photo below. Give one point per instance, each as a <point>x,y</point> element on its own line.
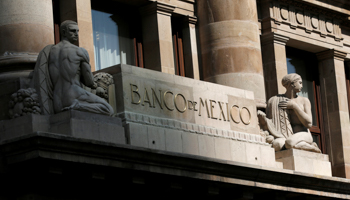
<point>9,58</point>
<point>312,19</point>
<point>274,38</point>
<point>331,54</point>
<point>158,7</point>
<point>192,128</point>
<point>190,19</point>
<point>292,17</point>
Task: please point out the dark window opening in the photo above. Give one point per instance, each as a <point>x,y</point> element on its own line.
<point>56,20</point>
<point>176,25</point>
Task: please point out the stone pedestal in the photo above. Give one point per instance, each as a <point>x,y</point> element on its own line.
<point>304,161</point>
<point>72,123</point>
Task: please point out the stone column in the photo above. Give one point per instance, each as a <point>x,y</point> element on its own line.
<point>230,45</point>
<point>157,37</point>
<point>25,28</point>
<point>335,110</point>
<point>190,47</point>
<point>275,62</point>
<point>80,11</point>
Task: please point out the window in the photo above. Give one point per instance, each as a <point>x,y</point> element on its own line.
<point>347,76</point>
<point>176,25</point>
<point>306,65</point>
<point>116,35</point>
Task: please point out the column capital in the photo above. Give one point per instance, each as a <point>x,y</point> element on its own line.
<point>157,7</point>
<point>274,38</point>
<point>331,53</point>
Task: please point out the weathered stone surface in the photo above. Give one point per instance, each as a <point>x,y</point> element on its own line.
<point>303,161</point>
<point>72,123</point>
<point>160,95</point>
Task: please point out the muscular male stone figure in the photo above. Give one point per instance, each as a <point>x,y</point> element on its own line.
<point>69,68</point>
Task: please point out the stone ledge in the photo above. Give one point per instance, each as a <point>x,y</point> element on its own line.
<point>190,127</point>
<point>74,123</point>
<point>61,148</point>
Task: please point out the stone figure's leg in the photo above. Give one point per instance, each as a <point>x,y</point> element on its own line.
<point>302,140</point>
<point>278,143</point>
<point>308,147</point>
<point>93,103</point>
<point>95,108</point>
<point>298,137</point>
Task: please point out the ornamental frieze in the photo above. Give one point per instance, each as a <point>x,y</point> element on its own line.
<point>298,15</point>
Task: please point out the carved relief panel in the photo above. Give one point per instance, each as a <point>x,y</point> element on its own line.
<point>311,19</point>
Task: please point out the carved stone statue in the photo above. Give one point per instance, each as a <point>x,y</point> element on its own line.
<point>288,117</point>
<point>60,73</point>
<point>23,102</point>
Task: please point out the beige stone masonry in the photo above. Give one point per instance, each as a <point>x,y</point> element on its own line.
<point>157,37</point>
<point>275,62</point>
<point>304,161</point>
<point>178,114</point>
<point>72,123</point>
<point>335,110</point>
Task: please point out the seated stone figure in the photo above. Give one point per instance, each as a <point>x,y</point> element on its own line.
<point>59,75</point>
<point>288,117</point>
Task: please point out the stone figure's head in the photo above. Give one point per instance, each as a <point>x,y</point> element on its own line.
<point>69,30</point>
<point>292,80</point>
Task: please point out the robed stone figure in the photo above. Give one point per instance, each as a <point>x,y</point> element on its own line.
<point>60,73</point>
<point>288,118</point>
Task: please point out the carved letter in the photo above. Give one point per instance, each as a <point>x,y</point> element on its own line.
<point>211,109</point>
<point>200,107</point>
<point>166,92</point>
<point>238,113</point>
<point>190,105</point>
<point>177,108</point>
<point>146,99</point>
<point>221,112</point>
<point>228,112</point>
<point>250,116</point>
<point>134,92</point>
<point>194,106</point>
<point>154,96</point>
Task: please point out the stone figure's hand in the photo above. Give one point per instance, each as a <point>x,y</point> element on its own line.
<point>261,113</point>
<point>94,86</point>
<point>288,104</point>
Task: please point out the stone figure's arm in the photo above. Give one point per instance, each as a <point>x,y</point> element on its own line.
<point>305,115</point>
<point>85,67</point>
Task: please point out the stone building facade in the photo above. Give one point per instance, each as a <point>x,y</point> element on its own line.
<point>189,78</point>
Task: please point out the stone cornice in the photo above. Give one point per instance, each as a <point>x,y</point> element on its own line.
<point>275,38</point>
<point>157,7</point>
<point>41,149</point>
<point>331,54</point>
<point>190,19</point>
<point>316,8</point>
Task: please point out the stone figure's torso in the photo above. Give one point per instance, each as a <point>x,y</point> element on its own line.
<point>65,72</point>
<point>297,125</point>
